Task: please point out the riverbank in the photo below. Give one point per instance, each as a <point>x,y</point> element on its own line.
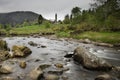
<point>57,29</point>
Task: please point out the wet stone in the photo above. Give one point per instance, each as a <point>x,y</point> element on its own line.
<point>36,74</point>
<point>31,43</point>
<point>43,46</point>
<point>59,65</point>
<point>51,77</point>
<point>22,64</point>
<point>4,55</point>
<point>21,51</point>
<point>5,69</point>
<point>44,66</point>
<point>104,77</point>
<point>3,45</point>
<point>7,78</point>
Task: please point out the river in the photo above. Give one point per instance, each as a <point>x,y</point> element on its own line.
<point>54,53</point>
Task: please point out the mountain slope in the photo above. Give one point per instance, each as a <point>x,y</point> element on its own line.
<point>18,17</point>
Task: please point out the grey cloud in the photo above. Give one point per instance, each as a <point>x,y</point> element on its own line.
<point>45,7</point>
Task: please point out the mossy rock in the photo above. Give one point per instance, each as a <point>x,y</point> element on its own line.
<point>4,55</point>
<point>21,51</point>
<point>3,45</point>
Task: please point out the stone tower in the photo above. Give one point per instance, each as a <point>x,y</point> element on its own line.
<point>56,18</point>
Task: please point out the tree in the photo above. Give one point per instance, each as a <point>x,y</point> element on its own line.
<point>40,19</point>
<point>67,19</point>
<point>76,11</point>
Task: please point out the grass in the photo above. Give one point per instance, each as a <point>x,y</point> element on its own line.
<point>61,30</point>
<point>63,34</point>
<point>30,29</point>
<point>106,37</point>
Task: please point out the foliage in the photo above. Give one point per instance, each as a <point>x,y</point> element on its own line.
<point>47,24</point>
<point>104,15</point>
<point>67,19</point>
<point>76,11</point>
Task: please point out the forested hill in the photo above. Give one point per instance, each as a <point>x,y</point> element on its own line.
<point>17,17</point>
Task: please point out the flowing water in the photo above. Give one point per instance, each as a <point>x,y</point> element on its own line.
<point>54,53</point>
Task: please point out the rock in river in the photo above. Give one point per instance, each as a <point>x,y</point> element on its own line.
<point>5,69</point>
<point>36,74</point>
<point>7,78</point>
<point>90,61</point>
<point>104,77</point>
<point>51,77</point>
<point>4,55</point>
<point>3,45</point>
<point>59,65</point>
<point>22,64</point>
<point>31,43</point>
<point>20,51</point>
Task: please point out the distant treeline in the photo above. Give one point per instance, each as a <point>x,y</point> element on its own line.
<point>104,15</point>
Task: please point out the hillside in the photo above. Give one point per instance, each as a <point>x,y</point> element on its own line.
<point>18,17</point>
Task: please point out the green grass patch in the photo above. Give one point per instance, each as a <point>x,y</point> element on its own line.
<point>31,29</point>
<point>63,34</point>
<point>107,37</point>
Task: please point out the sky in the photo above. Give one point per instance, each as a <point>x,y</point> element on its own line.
<point>47,8</point>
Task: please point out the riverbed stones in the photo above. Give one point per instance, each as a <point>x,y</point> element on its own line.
<point>51,77</point>
<point>59,65</point>
<point>3,45</point>
<point>21,51</point>
<point>90,61</point>
<point>36,74</point>
<point>4,55</point>
<point>22,64</point>
<point>43,46</point>
<point>7,78</point>
<point>5,69</point>
<point>104,77</point>
<point>44,66</point>
<point>31,43</point>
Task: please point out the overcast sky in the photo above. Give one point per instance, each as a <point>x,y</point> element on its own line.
<point>47,8</point>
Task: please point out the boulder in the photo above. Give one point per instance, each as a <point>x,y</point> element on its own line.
<point>7,78</point>
<point>36,74</point>
<point>5,69</point>
<point>51,77</point>
<point>43,46</point>
<point>104,77</point>
<point>4,55</point>
<point>44,66</point>
<point>31,43</point>
<point>22,64</point>
<point>20,51</point>
<point>3,45</point>
<point>59,65</point>
<point>90,61</point>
